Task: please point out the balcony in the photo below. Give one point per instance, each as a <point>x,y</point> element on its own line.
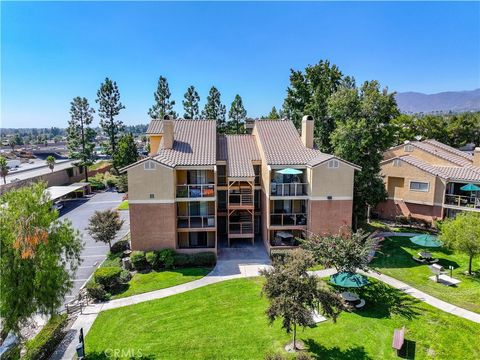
<point>196,191</point>
<point>196,222</point>
<point>288,189</point>
<point>294,219</point>
<point>240,228</point>
<point>467,202</point>
<point>241,199</point>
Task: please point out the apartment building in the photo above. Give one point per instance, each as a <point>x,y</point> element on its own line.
<point>424,181</point>
<point>198,189</point>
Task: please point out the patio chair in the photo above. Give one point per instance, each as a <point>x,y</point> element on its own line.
<point>421,261</point>
<point>361,304</point>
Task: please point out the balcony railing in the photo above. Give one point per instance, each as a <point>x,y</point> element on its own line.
<point>240,228</point>
<point>294,219</point>
<point>195,191</point>
<point>462,201</point>
<point>240,199</point>
<point>201,221</point>
<point>288,189</point>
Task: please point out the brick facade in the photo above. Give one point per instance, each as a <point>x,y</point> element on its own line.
<point>388,210</point>
<point>329,216</point>
<point>153,226</point>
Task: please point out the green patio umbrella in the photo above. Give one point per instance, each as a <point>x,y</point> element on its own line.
<point>348,280</point>
<point>470,187</point>
<point>289,171</point>
<point>426,240</point>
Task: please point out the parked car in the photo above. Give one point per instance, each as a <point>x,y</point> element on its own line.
<point>57,206</point>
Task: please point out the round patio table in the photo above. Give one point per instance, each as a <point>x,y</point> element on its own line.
<point>348,296</point>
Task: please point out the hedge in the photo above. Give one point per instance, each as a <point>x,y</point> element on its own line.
<point>203,259</point>
<point>97,291</point>
<point>138,260</point>
<point>120,247</point>
<point>46,341</point>
<point>181,260</point>
<point>109,277</point>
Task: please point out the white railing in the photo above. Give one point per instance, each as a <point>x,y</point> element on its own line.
<point>288,189</point>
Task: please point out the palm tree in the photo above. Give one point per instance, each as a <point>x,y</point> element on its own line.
<point>50,162</point>
<point>3,169</point>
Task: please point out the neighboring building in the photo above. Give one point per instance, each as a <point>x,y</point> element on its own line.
<point>198,188</point>
<point>423,181</point>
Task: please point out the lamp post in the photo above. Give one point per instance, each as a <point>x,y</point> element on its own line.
<point>81,346</point>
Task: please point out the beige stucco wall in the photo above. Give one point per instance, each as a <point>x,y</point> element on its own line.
<point>418,153</point>
<point>411,173</point>
<point>331,182</point>
<point>142,183</point>
<point>154,143</point>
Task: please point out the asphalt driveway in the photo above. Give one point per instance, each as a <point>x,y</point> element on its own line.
<point>79,212</point>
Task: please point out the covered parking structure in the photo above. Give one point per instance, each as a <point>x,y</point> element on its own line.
<point>60,192</point>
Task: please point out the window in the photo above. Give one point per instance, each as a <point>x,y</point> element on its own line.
<point>333,164</point>
<point>198,239</point>
<point>152,196</point>
<point>408,148</point>
<point>397,162</point>
<point>149,165</point>
<point>418,186</point>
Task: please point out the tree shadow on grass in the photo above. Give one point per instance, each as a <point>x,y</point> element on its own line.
<point>383,301</point>
<point>335,353</point>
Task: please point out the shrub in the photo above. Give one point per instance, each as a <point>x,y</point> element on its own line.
<point>97,291</point>
<point>165,258</point>
<point>108,277</point>
<point>120,246</point>
<point>125,276</point>
<point>203,259</point>
<point>152,259</point>
<point>279,255</point>
<point>122,183</point>
<point>181,260</point>
<point>46,341</point>
<point>138,260</point>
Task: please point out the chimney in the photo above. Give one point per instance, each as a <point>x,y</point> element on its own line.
<point>307,131</point>
<point>167,132</point>
<point>476,157</point>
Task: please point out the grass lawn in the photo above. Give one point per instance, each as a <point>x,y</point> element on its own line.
<point>156,280</point>
<point>396,260</point>
<point>227,321</point>
<point>123,205</point>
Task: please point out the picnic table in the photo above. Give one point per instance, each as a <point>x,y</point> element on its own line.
<point>425,255</point>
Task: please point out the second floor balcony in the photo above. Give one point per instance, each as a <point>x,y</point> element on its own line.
<point>292,219</point>
<point>196,222</point>
<point>195,191</point>
<point>463,201</point>
<point>288,189</point>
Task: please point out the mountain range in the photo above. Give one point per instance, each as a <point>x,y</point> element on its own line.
<point>444,102</point>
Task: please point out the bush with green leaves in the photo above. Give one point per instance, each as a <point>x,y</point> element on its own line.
<point>138,260</point>
<point>120,247</point>
<point>97,291</point>
<point>108,277</point>
<point>121,183</point>
<point>165,258</point>
<point>125,276</point>
<point>46,341</point>
<point>181,260</point>
<point>203,259</point>
<point>152,259</point>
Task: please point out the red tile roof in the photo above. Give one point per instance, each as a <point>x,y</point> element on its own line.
<point>155,127</point>
<point>241,152</point>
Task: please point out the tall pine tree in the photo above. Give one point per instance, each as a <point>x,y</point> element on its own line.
<point>163,105</point>
<point>237,116</point>
<point>127,152</point>
<point>215,110</point>
<point>273,114</point>
<point>109,106</point>
<point>80,136</point>
<point>190,104</point>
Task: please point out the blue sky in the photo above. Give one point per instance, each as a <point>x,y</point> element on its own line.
<point>52,52</point>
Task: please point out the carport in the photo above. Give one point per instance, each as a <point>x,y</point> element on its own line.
<point>58,192</point>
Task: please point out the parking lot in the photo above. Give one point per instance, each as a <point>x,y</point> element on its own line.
<point>79,211</point>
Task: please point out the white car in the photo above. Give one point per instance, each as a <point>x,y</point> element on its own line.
<point>57,206</point>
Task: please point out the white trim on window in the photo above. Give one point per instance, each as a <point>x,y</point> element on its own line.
<point>333,164</point>
<point>149,165</point>
<point>397,162</point>
<point>421,187</point>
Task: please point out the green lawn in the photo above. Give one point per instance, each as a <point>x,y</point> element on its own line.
<point>156,280</point>
<point>227,321</point>
<point>123,205</point>
<point>396,260</point>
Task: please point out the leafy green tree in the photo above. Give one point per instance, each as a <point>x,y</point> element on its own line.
<point>163,105</point>
<point>462,233</point>
<point>294,294</point>
<point>127,152</point>
<point>109,106</point>
<point>190,104</point>
<point>308,94</point>
<point>363,132</point>
<point>344,251</point>
<point>39,255</point>
<point>3,169</point>
<point>50,161</point>
<point>273,114</point>
<point>237,116</point>
<point>80,136</point>
<point>104,226</point>
<point>215,110</point>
